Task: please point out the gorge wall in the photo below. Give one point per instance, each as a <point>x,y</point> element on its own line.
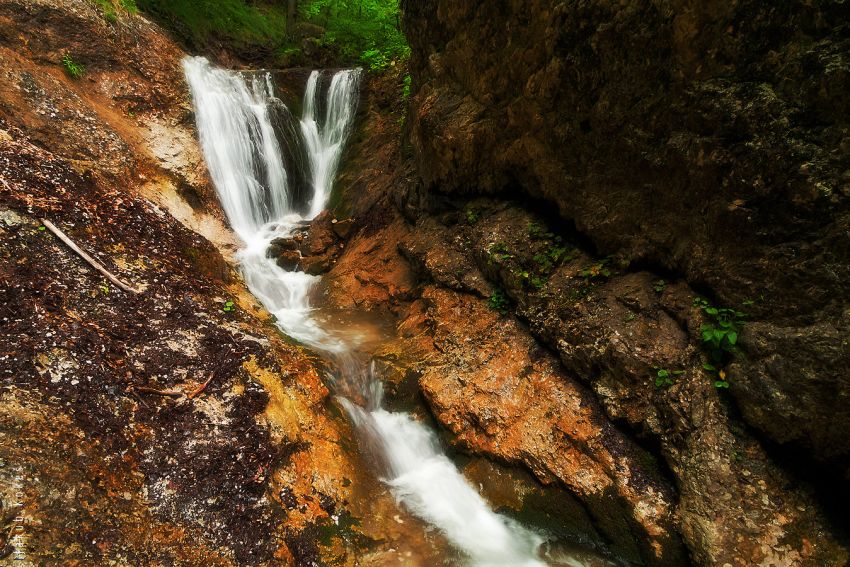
<point>567,178</point>
<point>709,140</point>
<point>172,426</point>
<point>705,144</point>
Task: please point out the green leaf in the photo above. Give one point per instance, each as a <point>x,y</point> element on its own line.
<point>678,372</point>
<point>709,367</point>
<point>42,228</point>
<point>721,384</point>
<point>732,337</point>
<point>711,310</point>
<point>663,374</point>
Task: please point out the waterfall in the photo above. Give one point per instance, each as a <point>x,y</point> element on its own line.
<point>239,143</point>
<point>325,145</point>
<point>232,111</point>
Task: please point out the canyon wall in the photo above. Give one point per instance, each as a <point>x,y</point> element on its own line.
<point>704,144</point>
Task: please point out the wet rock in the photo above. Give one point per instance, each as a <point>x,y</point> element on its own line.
<point>289,260</point>
<point>321,235</point>
<point>343,228</point>
<point>705,142</point>
<point>315,265</point>
<point>615,332</point>
<point>132,477</point>
<point>504,396</point>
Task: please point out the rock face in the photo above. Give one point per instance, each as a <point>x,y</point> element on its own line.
<point>710,140</point>
<point>502,394</point>
<point>532,350</point>
<point>616,332</point>
<point>173,426</point>
<point>706,141</point>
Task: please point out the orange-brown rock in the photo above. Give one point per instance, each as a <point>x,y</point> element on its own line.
<point>502,395</point>
<point>240,462</point>
<point>615,332</point>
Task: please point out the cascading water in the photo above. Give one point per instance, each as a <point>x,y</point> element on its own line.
<point>244,158</point>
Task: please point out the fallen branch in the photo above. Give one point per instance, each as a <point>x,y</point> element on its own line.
<point>92,262</point>
<point>202,387</point>
<point>147,390</point>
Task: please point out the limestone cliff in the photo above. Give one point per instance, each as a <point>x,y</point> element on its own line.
<point>591,169</point>
<point>707,140</point>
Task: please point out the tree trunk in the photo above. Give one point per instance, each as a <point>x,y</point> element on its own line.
<point>291,11</point>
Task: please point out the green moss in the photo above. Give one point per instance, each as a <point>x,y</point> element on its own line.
<point>111,8</point>
<point>365,33</point>
<point>245,25</point>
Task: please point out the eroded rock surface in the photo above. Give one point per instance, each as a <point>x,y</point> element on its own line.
<point>172,426</point>
<point>615,332</point>
<point>709,140</point>
<point>518,331</point>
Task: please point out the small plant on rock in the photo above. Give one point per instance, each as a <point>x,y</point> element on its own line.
<point>498,301</point>
<point>499,252</point>
<point>664,377</point>
<point>538,232</point>
<point>719,337</point>
<point>471,216</point>
<point>74,69</point>
<point>597,272</point>
<point>720,333</point>
<point>658,286</point>
<point>720,375</point>
<point>405,88</point>
<point>229,306</point>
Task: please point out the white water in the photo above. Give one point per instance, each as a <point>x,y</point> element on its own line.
<point>245,162</point>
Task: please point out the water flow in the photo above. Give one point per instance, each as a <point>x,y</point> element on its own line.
<point>239,143</point>
<point>242,153</point>
<point>326,142</point>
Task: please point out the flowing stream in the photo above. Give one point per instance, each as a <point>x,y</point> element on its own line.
<point>236,114</point>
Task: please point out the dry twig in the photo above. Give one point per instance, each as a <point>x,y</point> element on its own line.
<point>202,387</point>
<point>147,390</point>
<point>92,262</point>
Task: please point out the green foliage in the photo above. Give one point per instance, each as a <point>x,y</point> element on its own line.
<point>538,232</point>
<point>658,286</point>
<point>720,333</point>
<point>42,228</point>
<point>719,374</point>
<point>228,306</point>
<point>104,288</point>
<point>499,301</point>
<point>405,89</point>
<point>719,337</point>
<point>471,215</point>
<point>499,252</point>
<point>546,255</point>
<point>110,8</point>
<point>74,69</point>
<point>598,271</point>
<point>242,23</point>
<point>364,30</point>
<point>664,377</point>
